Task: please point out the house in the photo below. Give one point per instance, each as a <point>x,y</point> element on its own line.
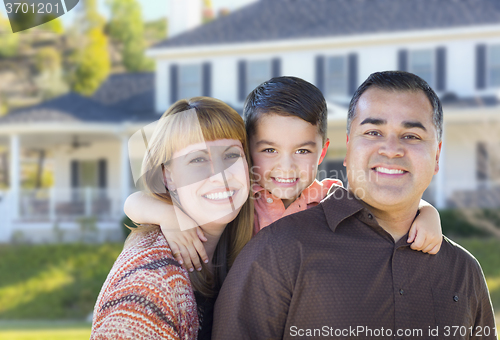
<point>88,143</point>
<point>336,44</point>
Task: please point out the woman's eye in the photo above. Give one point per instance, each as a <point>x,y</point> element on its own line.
<point>198,160</point>
<point>302,151</point>
<point>233,155</point>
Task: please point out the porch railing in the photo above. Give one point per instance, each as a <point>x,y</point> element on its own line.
<point>56,203</point>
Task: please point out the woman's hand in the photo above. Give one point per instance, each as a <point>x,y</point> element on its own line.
<point>187,247</point>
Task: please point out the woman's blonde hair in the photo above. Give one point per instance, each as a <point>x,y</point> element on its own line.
<point>186,122</point>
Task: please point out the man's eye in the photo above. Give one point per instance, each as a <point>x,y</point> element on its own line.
<point>302,151</point>
<point>411,137</point>
<point>373,133</point>
<point>269,150</point>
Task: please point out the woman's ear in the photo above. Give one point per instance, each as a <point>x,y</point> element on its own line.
<point>167,178</point>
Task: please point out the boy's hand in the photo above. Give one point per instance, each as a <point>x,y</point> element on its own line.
<point>425,232</point>
<point>186,246</point>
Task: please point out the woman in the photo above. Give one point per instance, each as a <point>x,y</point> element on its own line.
<point>199,153</point>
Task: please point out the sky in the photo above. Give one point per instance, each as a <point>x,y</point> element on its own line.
<point>151,9</point>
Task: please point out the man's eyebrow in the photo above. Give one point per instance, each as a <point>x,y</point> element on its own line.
<point>374,121</point>
<point>410,125</point>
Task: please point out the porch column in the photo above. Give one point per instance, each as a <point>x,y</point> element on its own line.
<point>440,195</point>
<point>15,175</point>
<point>125,172</point>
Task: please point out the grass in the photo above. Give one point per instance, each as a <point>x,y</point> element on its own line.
<point>44,330</point>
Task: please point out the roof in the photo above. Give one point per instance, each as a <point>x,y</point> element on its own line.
<point>268,20</point>
<point>122,97</point>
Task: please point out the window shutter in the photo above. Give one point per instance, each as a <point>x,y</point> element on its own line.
<point>207,80</point>
<point>320,72</point>
<point>480,66</point>
<point>276,67</point>
<point>352,75</point>
<point>441,69</point>
<point>102,167</point>
<point>174,83</point>
<point>74,174</point>
<point>242,80</point>
<point>403,60</point>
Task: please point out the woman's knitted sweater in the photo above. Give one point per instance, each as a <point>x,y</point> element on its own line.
<point>147,295</point>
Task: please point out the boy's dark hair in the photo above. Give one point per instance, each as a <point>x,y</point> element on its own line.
<point>286,96</point>
<point>398,81</point>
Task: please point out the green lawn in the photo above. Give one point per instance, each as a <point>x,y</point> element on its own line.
<point>44,330</point>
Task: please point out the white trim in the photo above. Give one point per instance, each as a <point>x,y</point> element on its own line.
<point>28,128</point>
<point>15,174</point>
<point>327,42</point>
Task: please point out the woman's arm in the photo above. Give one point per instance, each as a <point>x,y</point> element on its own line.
<point>425,232</point>
<point>182,233</point>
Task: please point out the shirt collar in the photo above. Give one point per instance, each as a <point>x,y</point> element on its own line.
<point>339,205</point>
<point>314,193</point>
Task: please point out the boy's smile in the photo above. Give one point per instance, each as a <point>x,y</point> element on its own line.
<point>286,152</point>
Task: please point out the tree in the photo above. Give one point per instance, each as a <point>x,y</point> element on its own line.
<point>92,63</point>
<point>50,76</point>
<point>127,28</point>
<point>9,42</point>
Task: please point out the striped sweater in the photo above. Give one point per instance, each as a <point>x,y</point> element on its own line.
<point>147,295</point>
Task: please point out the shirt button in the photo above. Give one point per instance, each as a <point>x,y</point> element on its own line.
<point>401,292</point>
<point>370,216</point>
<point>269,200</point>
<point>455,298</point>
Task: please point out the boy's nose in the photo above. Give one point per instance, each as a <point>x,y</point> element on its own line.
<point>287,164</point>
<point>391,147</point>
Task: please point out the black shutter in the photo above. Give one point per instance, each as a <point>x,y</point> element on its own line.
<point>481,67</point>
<point>174,83</point>
<point>207,80</point>
<point>441,69</point>
<point>74,174</point>
<point>102,169</point>
<point>242,80</point>
<point>320,72</point>
<point>276,67</point>
<point>352,75</point>
<point>403,60</point>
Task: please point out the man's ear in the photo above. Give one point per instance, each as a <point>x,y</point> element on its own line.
<point>323,151</point>
<point>346,143</point>
<point>167,178</point>
<point>438,153</point>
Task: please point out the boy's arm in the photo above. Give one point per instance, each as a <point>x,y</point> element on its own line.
<point>182,233</point>
<point>425,232</point>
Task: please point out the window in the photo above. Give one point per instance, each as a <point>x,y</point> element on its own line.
<point>190,81</point>
<point>336,77</point>
<point>257,72</point>
<point>494,65</point>
<point>421,63</point>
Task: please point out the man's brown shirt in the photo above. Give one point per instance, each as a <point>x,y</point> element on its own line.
<point>332,272</point>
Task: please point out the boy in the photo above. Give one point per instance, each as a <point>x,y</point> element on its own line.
<point>286,123</point>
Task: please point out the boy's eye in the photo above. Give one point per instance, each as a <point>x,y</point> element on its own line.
<point>303,151</point>
<point>269,150</point>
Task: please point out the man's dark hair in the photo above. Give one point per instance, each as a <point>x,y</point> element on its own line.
<point>286,96</point>
<point>398,81</point>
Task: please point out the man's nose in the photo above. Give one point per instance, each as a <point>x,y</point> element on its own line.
<point>392,147</point>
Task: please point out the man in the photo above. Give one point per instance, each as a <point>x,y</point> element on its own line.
<point>343,269</point>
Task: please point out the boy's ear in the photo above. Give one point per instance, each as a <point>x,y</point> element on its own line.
<point>167,178</point>
<point>323,151</point>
